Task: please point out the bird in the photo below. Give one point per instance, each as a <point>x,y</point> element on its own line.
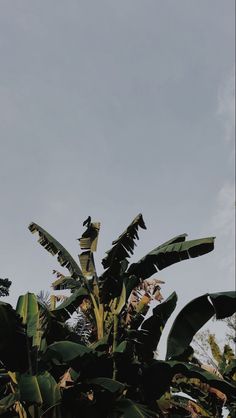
<point>87,221</point>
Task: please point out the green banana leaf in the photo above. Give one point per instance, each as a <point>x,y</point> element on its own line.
<point>63,352</point>
<point>28,309</point>
<point>108,384</point>
<point>157,378</point>
<point>29,389</point>
<point>49,390</point>
<point>13,341</point>
<point>166,255</point>
<point>126,408</point>
<point>63,311</point>
<point>180,402</point>
<point>230,369</point>
<point>40,389</point>
<point>155,324</point>
<point>8,401</point>
<point>177,238</point>
<point>54,247</point>
<point>124,244</point>
<point>194,315</point>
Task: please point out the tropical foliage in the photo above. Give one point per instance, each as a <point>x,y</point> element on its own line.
<point>105,366</point>
<point>4,287</point>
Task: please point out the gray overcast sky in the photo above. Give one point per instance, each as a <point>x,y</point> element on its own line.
<point>111,108</point>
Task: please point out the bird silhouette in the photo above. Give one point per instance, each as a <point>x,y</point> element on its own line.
<point>87,221</point>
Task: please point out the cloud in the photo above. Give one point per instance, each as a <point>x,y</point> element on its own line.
<point>226,107</point>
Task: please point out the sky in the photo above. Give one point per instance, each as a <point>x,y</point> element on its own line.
<point>113,108</point>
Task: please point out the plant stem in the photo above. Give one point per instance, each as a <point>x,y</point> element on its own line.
<point>115,335</point>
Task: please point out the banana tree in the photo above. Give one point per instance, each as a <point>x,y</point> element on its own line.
<point>50,375</point>
<point>114,374</point>
<point>110,292</point>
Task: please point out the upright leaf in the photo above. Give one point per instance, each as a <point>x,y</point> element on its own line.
<point>123,246</point>
<point>49,390</point>
<point>89,238</point>
<point>28,309</point>
<point>29,389</point>
<point>116,261</point>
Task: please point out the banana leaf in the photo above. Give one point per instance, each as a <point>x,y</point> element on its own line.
<point>87,263</point>
<point>110,385</point>
<point>65,282</point>
<point>124,245</point>
<point>157,378</point>
<point>89,238</point>
<point>13,341</point>
<point>28,309</point>
<point>63,352</point>
<point>230,369</point>
<point>63,311</point>
<point>29,389</point>
<point>181,402</point>
<point>166,255</point>
<point>54,247</point>
<point>8,401</point>
<point>194,315</point>
<point>155,324</point>
<point>49,390</point>
<point>126,408</point>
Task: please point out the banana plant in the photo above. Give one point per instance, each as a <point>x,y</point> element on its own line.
<point>110,292</point>
<point>115,373</point>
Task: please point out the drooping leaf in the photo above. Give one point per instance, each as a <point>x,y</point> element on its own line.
<point>63,352</point>
<point>194,315</point>
<point>55,248</point>
<point>166,255</point>
<point>8,401</point>
<point>190,406</point>
<point>157,378</point>
<point>155,324</point>
<point>69,306</point>
<point>178,238</point>
<point>123,246</point>
<point>126,408</point>
<point>111,385</point>
<point>193,371</point>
